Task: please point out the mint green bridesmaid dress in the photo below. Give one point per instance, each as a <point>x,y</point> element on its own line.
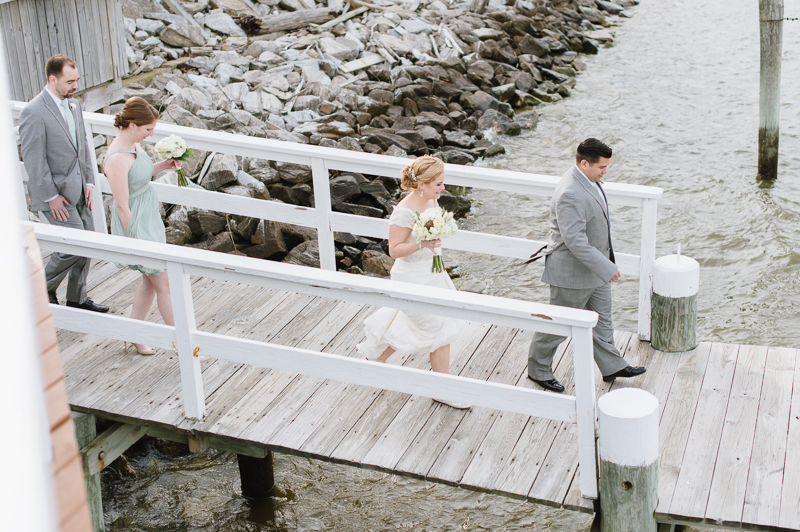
<point>145,222</point>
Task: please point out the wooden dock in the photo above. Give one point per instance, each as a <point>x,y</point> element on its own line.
<point>730,414</point>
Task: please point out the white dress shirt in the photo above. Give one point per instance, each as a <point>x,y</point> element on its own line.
<point>596,187</point>
<point>58,101</point>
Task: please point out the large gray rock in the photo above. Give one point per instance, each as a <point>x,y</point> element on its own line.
<point>342,48</point>
<point>222,23</point>
<point>261,170</point>
<point>294,173</point>
<point>193,100</point>
<point>385,138</point>
<point>479,101</point>
<point>182,35</point>
<point>150,26</point>
<point>343,188</point>
<point>150,95</point>
<point>499,123</point>
<point>175,114</point>
<point>236,91</point>
<point>226,73</point>
<point>306,254</point>
<point>534,46</point>
<point>436,121</point>
<point>527,119</point>
<point>458,139</point>
<point>202,221</point>
<point>224,170</point>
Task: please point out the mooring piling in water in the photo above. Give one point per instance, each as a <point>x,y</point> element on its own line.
<point>257,476</point>
<point>628,446</point>
<point>771,22</point>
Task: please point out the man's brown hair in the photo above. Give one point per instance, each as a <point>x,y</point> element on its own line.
<point>55,65</point>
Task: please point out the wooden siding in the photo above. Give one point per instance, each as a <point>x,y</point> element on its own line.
<point>72,512</point>
<point>89,31</point>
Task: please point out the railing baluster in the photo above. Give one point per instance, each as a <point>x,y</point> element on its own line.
<point>185,326</point>
<point>647,259</point>
<point>98,209</point>
<point>322,208</point>
<point>583,361</point>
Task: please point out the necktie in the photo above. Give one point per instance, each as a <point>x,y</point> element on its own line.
<point>70,120</point>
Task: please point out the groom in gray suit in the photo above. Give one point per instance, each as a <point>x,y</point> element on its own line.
<point>579,265</point>
<point>60,175</point>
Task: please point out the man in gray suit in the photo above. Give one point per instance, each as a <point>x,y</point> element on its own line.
<point>579,265</point>
<point>60,174</point>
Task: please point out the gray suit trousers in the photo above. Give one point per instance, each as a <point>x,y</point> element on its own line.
<point>606,355</point>
<point>60,264</point>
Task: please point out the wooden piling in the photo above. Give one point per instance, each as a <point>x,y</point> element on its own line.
<point>771,17</point>
<point>628,443</point>
<point>676,282</point>
<point>86,432</point>
<point>257,476</point>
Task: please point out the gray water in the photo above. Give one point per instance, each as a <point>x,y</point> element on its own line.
<point>677,99</point>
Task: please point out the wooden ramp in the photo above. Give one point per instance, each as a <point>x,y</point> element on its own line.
<point>730,414</point>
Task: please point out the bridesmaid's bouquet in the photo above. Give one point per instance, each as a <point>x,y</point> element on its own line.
<point>434,223</point>
<point>174,147</point>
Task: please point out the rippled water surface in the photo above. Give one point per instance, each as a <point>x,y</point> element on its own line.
<point>677,99</point>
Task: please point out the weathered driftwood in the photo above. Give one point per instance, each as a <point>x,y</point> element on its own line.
<point>296,20</point>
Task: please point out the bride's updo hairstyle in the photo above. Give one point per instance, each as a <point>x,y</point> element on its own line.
<point>424,169</point>
<point>136,111</point>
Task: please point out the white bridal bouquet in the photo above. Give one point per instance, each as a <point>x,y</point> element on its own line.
<point>434,223</point>
<point>174,147</point>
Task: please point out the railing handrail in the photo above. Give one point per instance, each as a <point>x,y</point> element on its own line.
<point>322,160</point>
<point>181,262</point>
<point>321,282</point>
<point>367,163</point>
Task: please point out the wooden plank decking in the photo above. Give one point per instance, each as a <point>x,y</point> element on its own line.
<point>730,414</point>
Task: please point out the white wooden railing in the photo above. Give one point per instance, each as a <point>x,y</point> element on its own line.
<point>326,221</point>
<point>182,262</point>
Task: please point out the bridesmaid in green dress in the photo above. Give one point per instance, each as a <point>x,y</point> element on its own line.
<point>136,212</point>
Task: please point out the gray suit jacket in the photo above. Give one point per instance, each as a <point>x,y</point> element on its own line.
<point>53,162</point>
<point>579,252</point>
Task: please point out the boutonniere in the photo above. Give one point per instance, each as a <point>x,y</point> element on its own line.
<point>72,106</point>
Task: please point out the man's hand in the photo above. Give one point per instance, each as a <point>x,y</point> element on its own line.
<point>616,277</point>
<point>58,208</point>
<point>89,197</point>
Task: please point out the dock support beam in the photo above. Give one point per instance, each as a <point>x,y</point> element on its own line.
<point>86,432</point>
<point>769,102</point>
<point>258,477</point>
<point>628,430</point>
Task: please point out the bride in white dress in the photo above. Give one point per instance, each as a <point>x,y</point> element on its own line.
<point>390,330</point>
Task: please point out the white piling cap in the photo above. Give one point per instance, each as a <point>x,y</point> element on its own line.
<point>628,426</point>
<point>676,276</point>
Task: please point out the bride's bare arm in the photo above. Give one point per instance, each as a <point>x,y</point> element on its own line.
<point>398,247</point>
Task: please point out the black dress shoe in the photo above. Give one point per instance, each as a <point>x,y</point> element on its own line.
<point>630,371</point>
<point>53,298</point>
<point>552,385</point>
<point>88,305</point>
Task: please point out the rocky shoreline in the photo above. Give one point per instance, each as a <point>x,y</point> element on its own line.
<point>396,78</point>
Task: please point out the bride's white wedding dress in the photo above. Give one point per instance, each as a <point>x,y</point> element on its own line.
<point>410,332</point>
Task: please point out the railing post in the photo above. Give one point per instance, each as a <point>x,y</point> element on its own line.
<point>583,362</point>
<point>98,209</point>
<point>322,207</point>
<point>647,259</point>
<point>180,288</point>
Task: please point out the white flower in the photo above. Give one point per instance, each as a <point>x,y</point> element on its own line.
<point>441,225</point>
<point>170,147</point>
<point>72,106</point>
